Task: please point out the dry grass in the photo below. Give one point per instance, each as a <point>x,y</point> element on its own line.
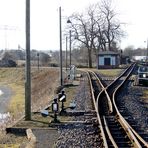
<point>17,102</point>
<point>43,122</point>
<point>43,85</point>
<point>105,72</point>
<point>109,72</point>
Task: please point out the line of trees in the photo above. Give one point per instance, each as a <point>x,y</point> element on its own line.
<point>97,29</point>
<point>130,51</point>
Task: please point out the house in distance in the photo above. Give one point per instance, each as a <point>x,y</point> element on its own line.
<point>108,59</point>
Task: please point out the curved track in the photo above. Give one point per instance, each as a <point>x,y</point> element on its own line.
<point>114,129</point>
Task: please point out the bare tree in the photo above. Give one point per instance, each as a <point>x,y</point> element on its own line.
<point>111,26</point>
<point>97,28</point>
<point>129,51</point>
<point>81,27</point>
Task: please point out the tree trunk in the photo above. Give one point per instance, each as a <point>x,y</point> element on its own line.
<point>89,58</point>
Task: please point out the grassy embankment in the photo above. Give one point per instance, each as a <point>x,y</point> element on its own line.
<point>14,79</point>
<point>43,83</point>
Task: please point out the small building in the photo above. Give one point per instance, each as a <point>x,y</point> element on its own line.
<point>125,60</point>
<point>108,59</point>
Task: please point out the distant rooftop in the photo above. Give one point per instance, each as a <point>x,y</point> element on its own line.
<point>108,53</point>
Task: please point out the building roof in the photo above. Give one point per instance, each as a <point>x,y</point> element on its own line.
<point>108,53</point>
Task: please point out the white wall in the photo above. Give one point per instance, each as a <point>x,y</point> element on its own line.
<point>113,61</point>
<point>101,61</point>
<point>112,58</point>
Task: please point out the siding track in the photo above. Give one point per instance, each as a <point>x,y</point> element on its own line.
<point>114,128</point>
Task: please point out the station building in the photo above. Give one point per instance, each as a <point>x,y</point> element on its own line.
<point>108,59</point>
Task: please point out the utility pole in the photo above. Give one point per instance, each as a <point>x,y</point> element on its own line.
<point>27,65</point>
<point>68,21</point>
<point>66,54</point>
<point>60,30</point>
<point>70,46</point>
<point>38,58</point>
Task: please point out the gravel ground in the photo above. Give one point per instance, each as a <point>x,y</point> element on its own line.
<point>80,135</point>
<point>77,134</point>
<point>45,137</point>
<point>135,106</point>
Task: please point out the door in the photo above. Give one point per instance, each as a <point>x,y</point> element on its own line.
<point>107,61</point>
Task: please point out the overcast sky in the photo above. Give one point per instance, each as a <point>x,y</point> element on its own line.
<point>45,21</point>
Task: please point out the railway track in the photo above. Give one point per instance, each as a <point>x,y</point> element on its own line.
<point>114,128</point>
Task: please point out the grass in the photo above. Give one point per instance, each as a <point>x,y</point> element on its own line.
<point>38,121</point>
<point>17,101</point>
<point>41,80</point>
<point>14,78</point>
<point>43,83</point>
<point>105,72</point>
<point>41,88</point>
<point>9,145</point>
<point>109,72</point>
<point>43,122</point>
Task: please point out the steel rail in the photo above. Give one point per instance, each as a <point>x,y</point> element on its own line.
<point>131,136</point>
<point>104,120</point>
<point>105,123</point>
<point>107,95</point>
<point>112,83</point>
<point>121,119</point>
<point>109,133</point>
<point>137,135</point>
<point>130,131</point>
<point>98,115</point>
